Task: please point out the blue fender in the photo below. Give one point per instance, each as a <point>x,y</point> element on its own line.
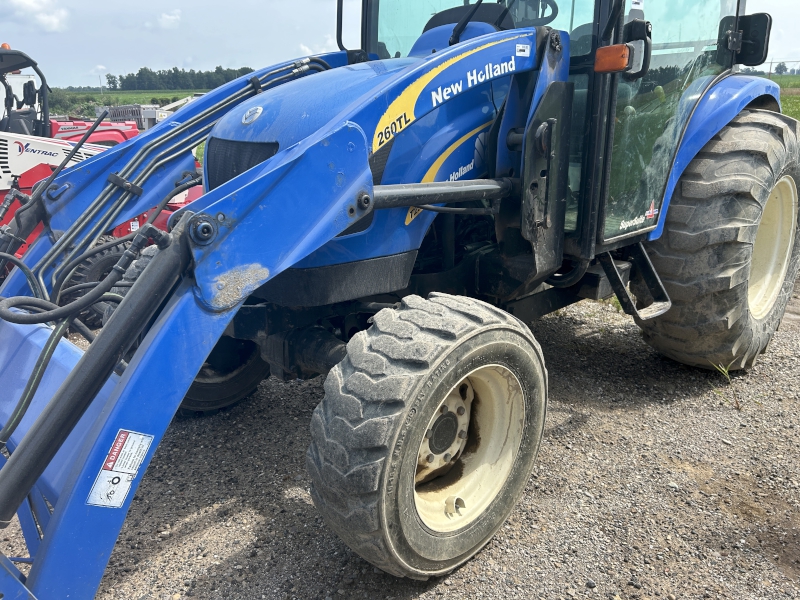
<point>718,107</point>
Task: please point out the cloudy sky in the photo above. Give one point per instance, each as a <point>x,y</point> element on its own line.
<point>75,41</point>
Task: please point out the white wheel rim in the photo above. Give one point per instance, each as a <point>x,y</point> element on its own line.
<point>772,251</point>
<point>462,489</point>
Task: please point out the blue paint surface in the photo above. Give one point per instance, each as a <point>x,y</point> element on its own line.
<point>718,107</point>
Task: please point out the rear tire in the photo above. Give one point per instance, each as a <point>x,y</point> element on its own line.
<point>428,433</point>
<point>730,252</point>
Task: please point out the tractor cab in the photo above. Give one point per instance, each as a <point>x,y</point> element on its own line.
<point>29,115</point>
<point>625,126</point>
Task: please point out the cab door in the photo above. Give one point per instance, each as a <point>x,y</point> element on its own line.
<point>650,114</point>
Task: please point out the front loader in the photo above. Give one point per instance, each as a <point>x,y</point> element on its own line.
<point>392,217</point>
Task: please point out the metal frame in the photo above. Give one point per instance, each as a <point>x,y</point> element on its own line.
<point>221,236</point>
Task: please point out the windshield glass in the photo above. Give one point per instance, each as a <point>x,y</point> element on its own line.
<point>402,22</point>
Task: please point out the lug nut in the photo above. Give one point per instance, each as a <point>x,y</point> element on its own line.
<point>429,434</point>
<point>445,409</point>
<point>447,458</point>
<point>431,458</point>
<point>461,410</point>
<point>462,435</point>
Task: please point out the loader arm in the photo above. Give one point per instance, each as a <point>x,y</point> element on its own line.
<point>231,241</point>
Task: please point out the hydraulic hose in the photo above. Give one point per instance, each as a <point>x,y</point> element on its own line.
<point>35,379</point>
<point>39,370</point>
<point>66,272</point>
<point>29,276</point>
<point>140,241</point>
<point>57,421</point>
<point>324,64</point>
<point>91,285</point>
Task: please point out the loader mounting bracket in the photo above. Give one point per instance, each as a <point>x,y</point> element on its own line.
<point>545,169</point>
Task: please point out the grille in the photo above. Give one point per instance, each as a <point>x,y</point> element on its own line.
<point>226,160</point>
<point>4,166</point>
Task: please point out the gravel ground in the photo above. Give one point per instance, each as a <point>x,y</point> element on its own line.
<point>654,480</point>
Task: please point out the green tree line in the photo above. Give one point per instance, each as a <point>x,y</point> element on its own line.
<point>174,79</point>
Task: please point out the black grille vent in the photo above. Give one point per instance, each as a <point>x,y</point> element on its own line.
<point>226,160</point>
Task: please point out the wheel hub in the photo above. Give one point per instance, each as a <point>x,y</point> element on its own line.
<point>447,434</point>
<point>469,448</point>
<point>443,433</point>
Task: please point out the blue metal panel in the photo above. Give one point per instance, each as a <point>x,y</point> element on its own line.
<point>80,538</point>
<point>415,152</point>
<point>20,348</point>
<point>518,113</point>
<point>718,107</point>
<point>400,102</point>
<point>297,109</point>
<point>11,582</point>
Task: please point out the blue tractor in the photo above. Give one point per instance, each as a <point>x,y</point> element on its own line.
<point>391,217</point>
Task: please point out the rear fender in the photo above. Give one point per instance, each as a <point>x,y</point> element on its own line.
<point>719,106</point>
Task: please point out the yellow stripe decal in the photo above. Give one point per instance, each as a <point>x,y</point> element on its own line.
<point>400,113</point>
<point>430,176</point>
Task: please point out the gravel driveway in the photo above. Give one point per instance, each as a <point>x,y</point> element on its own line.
<point>654,480</point>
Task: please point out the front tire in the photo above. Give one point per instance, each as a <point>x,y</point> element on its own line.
<point>730,252</point>
<point>428,433</point>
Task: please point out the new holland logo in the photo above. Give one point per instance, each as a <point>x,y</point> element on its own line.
<point>251,115</point>
<point>26,149</point>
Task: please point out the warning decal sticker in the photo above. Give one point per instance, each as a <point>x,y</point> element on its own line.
<point>119,469</point>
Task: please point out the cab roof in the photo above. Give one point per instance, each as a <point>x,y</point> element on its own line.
<point>14,60</point>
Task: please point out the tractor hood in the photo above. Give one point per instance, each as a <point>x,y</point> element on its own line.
<point>286,115</point>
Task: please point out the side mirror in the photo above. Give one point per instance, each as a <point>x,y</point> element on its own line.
<point>639,34</point>
<point>749,42</point>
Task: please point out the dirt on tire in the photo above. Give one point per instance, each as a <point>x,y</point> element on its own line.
<point>650,484</point>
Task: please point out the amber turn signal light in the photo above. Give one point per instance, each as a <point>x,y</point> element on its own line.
<point>612,59</point>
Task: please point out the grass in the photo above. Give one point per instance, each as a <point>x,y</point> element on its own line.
<point>121,98</point>
<point>791,106</point>
<point>787,81</point>
<point>64,102</point>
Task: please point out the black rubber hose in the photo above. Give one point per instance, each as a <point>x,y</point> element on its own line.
<point>63,312</point>
<point>321,62</point>
<point>67,271</point>
<point>32,283</point>
<point>81,304</point>
<point>40,368</point>
<point>34,381</point>
<point>91,285</point>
